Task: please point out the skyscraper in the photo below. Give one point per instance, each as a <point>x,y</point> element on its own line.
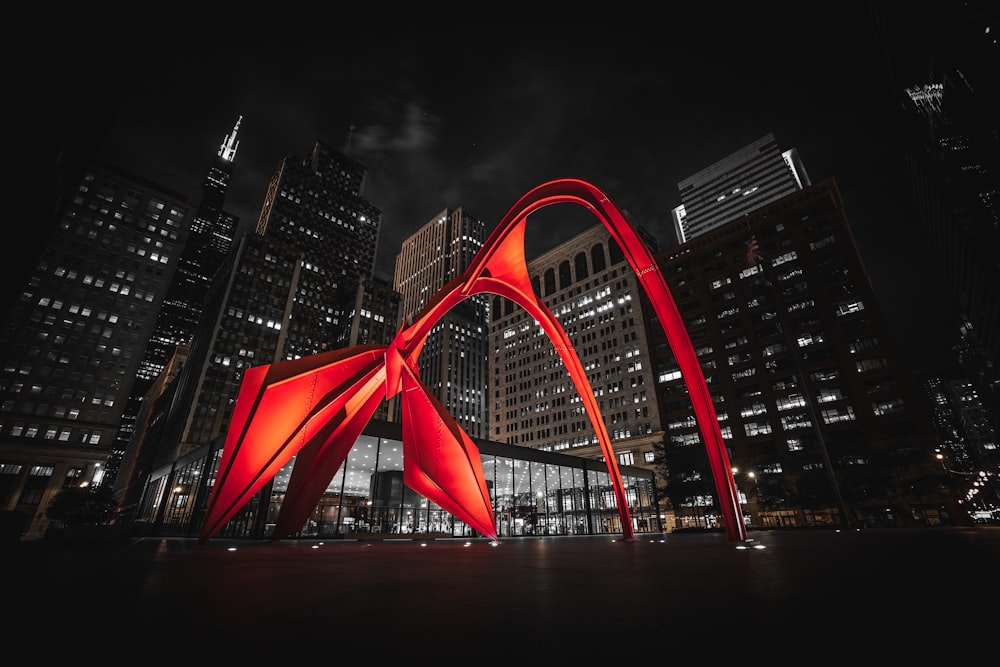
<point>453,362</point>
<point>372,318</point>
<point>207,242</point>
<point>73,343</point>
<point>968,442</point>
<point>318,208</point>
<point>587,283</point>
<point>964,427</point>
<point>942,70</point>
<point>284,292</point>
<point>245,325</point>
<point>751,177</point>
<point>824,422</point>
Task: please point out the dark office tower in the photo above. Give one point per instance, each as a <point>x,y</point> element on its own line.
<point>968,440</point>
<point>968,443</point>
<point>81,114</point>
<point>942,64</point>
<point>279,295</point>
<point>737,184</point>
<point>453,362</point>
<point>810,391</point>
<point>135,462</point>
<point>72,345</point>
<point>589,286</point>
<point>244,325</point>
<point>372,315</point>
<point>318,208</point>
<point>208,241</point>
<point>372,318</point>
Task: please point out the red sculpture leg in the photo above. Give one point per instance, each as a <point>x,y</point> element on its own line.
<point>641,261</point>
<point>279,408</point>
<point>500,268</point>
<point>506,274</point>
<point>440,462</point>
<point>655,286</point>
<point>318,461</point>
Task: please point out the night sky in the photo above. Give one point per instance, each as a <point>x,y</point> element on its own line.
<point>471,110</point>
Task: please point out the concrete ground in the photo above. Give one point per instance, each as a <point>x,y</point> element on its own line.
<point>924,594</point>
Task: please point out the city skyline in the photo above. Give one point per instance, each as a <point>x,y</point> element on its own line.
<point>478,123</point>
<point>309,198</point>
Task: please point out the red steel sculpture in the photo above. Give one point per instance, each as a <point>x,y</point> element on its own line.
<point>315,408</point>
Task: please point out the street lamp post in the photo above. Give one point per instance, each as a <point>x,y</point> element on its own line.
<point>758,521</point>
<point>749,474</point>
<point>758,498</point>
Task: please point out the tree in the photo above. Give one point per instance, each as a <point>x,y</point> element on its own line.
<point>79,506</point>
<point>689,481</point>
<point>662,468</point>
<point>774,493</point>
<point>813,490</point>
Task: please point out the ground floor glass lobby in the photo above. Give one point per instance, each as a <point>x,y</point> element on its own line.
<point>533,493</point>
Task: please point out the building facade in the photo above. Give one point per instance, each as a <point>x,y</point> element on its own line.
<point>209,240</point>
<point>532,493</point>
<point>140,457</point>
<point>284,292</point>
<point>749,178</point>
<point>317,207</point>
<point>453,363</point>
<point>246,327</point>
<point>824,423</point>
<point>967,443</point>
<point>74,342</point>
<point>588,285</point>
<point>373,318</point>
<point>941,68</point>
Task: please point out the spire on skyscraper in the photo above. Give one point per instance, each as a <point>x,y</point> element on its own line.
<point>227,151</point>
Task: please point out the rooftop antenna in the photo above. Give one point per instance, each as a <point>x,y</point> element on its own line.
<point>350,134</point>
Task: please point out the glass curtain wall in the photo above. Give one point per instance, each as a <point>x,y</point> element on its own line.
<point>367,498</point>
<point>533,493</point>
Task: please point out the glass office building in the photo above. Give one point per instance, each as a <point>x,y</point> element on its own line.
<point>533,493</point>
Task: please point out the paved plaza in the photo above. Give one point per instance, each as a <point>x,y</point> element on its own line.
<point>888,594</point>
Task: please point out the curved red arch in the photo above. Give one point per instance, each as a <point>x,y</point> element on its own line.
<point>655,286</point>
<point>500,268</point>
